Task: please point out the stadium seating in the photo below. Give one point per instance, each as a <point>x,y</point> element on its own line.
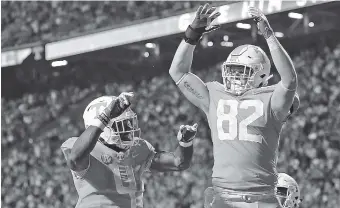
<point>28,21</point>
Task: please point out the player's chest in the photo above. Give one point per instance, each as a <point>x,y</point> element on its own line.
<point>237,110</point>
<point>121,171</point>
<point>238,119</point>
<point>125,164</point>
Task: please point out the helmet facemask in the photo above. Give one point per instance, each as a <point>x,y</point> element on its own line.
<point>238,78</point>
<point>121,132</point>
<point>288,196</point>
<point>247,67</point>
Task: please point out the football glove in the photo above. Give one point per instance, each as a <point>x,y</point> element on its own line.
<point>202,24</point>
<point>115,108</point>
<point>261,21</point>
<point>186,134</point>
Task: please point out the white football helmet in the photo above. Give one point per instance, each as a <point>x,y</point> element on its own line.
<point>246,67</point>
<point>121,131</point>
<point>287,191</point>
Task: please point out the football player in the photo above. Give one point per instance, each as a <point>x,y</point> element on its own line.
<point>109,158</point>
<point>244,114</point>
<point>287,191</point>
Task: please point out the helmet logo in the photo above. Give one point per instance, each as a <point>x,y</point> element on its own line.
<point>107,159</point>
<point>120,156</point>
<point>234,58</point>
<point>96,108</point>
<point>256,49</point>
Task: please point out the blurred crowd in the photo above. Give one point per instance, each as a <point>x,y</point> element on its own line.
<point>31,21</point>
<point>34,125</point>
<point>34,172</point>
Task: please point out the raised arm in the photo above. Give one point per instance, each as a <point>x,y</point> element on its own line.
<point>181,158</point>
<point>283,95</point>
<point>78,157</point>
<point>192,86</point>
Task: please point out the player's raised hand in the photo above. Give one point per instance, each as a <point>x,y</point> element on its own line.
<point>186,134</point>
<point>261,22</point>
<point>204,17</point>
<point>125,97</point>
<point>116,107</point>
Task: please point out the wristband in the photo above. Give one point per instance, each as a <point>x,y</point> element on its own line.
<point>193,36</point>
<point>103,118</point>
<point>185,144</point>
<point>268,31</point>
<point>98,123</point>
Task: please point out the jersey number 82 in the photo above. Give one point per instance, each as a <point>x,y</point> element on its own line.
<point>238,128</point>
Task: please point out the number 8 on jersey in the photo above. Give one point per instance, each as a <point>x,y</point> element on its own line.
<point>236,122</point>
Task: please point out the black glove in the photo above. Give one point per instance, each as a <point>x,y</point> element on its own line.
<point>186,134</point>
<point>201,24</point>
<point>115,108</point>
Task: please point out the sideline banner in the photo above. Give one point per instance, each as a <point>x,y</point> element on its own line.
<point>144,31</point>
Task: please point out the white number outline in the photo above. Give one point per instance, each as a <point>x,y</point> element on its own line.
<point>234,126</point>
<point>121,189</point>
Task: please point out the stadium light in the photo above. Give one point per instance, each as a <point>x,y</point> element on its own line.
<point>226,38</point>
<point>295,15</point>
<point>150,45</point>
<point>279,34</point>
<point>311,24</point>
<point>59,63</point>
<point>210,43</point>
<point>243,25</point>
<point>227,44</point>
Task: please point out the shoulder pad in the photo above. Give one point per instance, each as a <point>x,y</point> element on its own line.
<point>144,144</point>
<point>215,84</point>
<point>208,84</point>
<point>68,144</point>
<point>266,89</point>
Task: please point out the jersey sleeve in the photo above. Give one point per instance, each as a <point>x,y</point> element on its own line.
<point>151,153</point>
<point>282,100</point>
<point>270,89</point>
<point>211,85</point>
<point>66,148</point>
<point>295,106</point>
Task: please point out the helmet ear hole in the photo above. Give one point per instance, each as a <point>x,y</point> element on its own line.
<point>258,80</point>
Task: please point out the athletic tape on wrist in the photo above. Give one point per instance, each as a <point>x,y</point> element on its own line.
<point>98,123</point>
<point>103,118</point>
<point>186,144</point>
